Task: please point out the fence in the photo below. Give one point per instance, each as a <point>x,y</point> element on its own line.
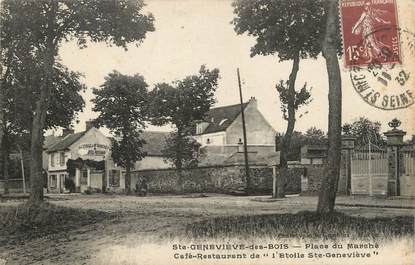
<point>407,177</point>
<point>14,186</point>
<point>369,173</point>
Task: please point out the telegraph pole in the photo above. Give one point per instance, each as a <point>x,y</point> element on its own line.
<point>248,179</point>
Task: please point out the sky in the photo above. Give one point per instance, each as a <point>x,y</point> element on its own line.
<point>190,33</point>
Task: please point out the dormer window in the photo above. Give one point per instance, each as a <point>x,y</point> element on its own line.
<point>201,127</point>
<point>222,121</point>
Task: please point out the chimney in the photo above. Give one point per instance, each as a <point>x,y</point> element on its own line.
<point>67,131</point>
<point>253,101</point>
<point>89,124</point>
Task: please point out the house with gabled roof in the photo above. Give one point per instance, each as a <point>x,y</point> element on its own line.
<point>223,126</point>
<point>220,134</point>
<point>84,158</point>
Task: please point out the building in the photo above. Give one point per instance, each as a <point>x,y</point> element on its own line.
<point>83,160</point>
<point>154,159</point>
<point>223,126</point>
<point>220,134</point>
<point>79,158</point>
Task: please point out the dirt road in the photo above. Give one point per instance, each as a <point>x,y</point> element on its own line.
<point>150,219</point>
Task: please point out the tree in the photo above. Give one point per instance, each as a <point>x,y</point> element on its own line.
<point>311,137</point>
<point>327,194</point>
<point>293,30</point>
<point>182,104</point>
<point>45,24</point>
<point>20,85</point>
<point>181,151</point>
<point>411,141</point>
<point>315,135</point>
<point>366,131</point>
<point>122,103</point>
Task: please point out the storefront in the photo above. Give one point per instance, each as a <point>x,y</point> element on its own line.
<point>78,162</point>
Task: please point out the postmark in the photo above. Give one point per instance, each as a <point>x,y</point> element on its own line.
<point>388,86</point>
<point>378,54</point>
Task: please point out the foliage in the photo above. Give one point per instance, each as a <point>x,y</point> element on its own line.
<point>298,140</point>
<point>315,134</point>
<point>301,98</point>
<point>41,26</point>
<point>281,26</point>
<point>293,30</point>
<point>411,141</point>
<point>122,103</point>
<point>182,104</point>
<point>128,149</point>
<point>113,22</point>
<point>182,151</point>
<point>366,130</point>
<point>185,101</point>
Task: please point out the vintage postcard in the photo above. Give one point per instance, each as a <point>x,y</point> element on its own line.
<point>207,132</point>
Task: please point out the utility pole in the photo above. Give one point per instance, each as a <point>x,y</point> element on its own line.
<point>23,175</point>
<point>248,179</point>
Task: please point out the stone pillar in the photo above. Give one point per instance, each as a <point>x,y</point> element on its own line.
<point>394,141</point>
<point>58,182</point>
<point>348,144</point>
<point>88,179</point>
<point>77,180</point>
<point>274,181</point>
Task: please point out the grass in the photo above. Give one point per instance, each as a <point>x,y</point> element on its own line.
<point>24,221</point>
<point>304,224</point>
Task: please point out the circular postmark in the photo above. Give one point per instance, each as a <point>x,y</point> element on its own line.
<point>385,80</point>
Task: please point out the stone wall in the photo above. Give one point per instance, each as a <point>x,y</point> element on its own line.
<point>220,179</point>
<point>311,180</point>
<point>293,177</point>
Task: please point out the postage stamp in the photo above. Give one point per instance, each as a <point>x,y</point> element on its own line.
<point>369,29</point>
<point>376,52</point>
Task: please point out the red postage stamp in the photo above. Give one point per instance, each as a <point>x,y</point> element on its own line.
<point>370,32</point>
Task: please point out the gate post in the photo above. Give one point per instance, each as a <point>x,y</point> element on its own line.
<point>394,140</point>
<point>348,144</point>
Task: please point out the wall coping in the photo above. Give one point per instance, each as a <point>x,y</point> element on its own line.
<point>202,167</point>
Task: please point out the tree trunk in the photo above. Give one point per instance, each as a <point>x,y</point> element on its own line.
<point>128,177</point>
<point>3,98</point>
<point>286,141</point>
<point>327,195</point>
<point>5,165</point>
<point>2,116</point>
<point>179,160</point>
<point>39,117</point>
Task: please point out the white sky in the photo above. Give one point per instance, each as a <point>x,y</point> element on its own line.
<point>190,33</point>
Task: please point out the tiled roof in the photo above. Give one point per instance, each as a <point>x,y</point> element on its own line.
<point>220,118</point>
<point>50,140</point>
<point>66,142</point>
<point>155,142</point>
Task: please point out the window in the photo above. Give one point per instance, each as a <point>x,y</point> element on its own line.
<point>52,159</point>
<point>222,121</point>
<point>52,181</point>
<point>84,177</point>
<point>207,141</point>
<point>62,159</point>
